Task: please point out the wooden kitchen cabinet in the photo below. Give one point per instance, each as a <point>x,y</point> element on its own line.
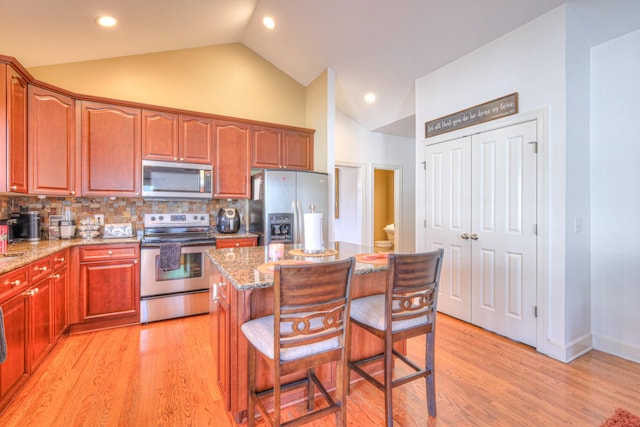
<point>40,308</point>
<point>15,370</point>
<point>160,136</point>
<point>240,242</point>
<point>60,293</point>
<point>231,160</point>
<point>111,150</point>
<point>176,137</point>
<point>109,286</point>
<point>221,333</point>
<point>281,148</point>
<point>52,135</point>
<point>196,145</point>
<point>16,127</point>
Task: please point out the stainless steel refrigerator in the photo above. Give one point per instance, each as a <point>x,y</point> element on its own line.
<point>280,198</point>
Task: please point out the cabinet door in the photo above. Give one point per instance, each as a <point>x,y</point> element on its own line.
<point>195,140</point>
<point>41,314</point>
<point>224,344</point>
<point>16,327</point>
<point>16,132</point>
<point>266,147</point>
<point>59,282</point>
<point>110,150</point>
<point>231,165</point>
<point>297,150</point>
<point>110,292</point>
<point>52,136</point>
<point>159,136</point>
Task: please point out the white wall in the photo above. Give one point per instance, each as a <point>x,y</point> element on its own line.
<point>355,144</point>
<point>531,60</point>
<point>615,196</point>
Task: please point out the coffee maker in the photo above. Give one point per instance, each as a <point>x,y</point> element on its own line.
<point>27,226</point>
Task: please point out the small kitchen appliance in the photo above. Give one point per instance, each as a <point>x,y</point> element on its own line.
<point>228,220</point>
<point>27,227</point>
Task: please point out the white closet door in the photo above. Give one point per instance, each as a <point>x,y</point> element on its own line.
<point>448,197</point>
<point>503,219</point>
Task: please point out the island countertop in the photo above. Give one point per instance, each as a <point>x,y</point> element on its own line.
<point>240,265</point>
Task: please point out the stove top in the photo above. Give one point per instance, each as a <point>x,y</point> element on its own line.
<point>192,228</point>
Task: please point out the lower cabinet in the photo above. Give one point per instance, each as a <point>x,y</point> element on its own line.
<point>220,333</point>
<point>16,368</point>
<point>109,286</point>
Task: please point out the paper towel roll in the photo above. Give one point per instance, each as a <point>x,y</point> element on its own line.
<point>313,232</point>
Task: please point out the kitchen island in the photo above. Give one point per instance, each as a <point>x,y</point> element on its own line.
<point>242,289</point>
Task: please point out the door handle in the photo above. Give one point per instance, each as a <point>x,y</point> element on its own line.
<point>465,236</point>
<point>474,236</point>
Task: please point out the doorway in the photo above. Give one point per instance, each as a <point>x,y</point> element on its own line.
<point>386,200</point>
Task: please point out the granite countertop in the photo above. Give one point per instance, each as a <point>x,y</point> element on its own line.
<point>22,253</point>
<point>240,265</point>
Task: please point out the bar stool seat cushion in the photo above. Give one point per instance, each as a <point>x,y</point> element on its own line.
<point>260,333</point>
<point>371,311</point>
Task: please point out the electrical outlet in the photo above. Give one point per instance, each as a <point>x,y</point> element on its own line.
<point>99,218</point>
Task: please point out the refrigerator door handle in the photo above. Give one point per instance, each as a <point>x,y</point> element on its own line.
<point>298,228</point>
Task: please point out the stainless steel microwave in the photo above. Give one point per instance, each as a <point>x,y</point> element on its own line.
<point>167,180</point>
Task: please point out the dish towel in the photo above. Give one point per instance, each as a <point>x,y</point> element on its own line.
<point>3,339</point>
<point>170,256</point>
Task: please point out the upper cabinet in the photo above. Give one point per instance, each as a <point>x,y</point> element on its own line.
<point>281,148</point>
<point>231,167</point>
<point>15,121</point>
<point>176,137</point>
<point>52,136</point>
<point>111,150</point>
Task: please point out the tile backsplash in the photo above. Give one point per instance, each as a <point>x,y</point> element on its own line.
<point>117,210</point>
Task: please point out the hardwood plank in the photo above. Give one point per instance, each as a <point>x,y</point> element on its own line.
<point>163,374</point>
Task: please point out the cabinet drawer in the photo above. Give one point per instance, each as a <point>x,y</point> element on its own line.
<point>236,243</point>
<point>108,252</point>
<point>40,269</point>
<point>13,282</point>
<point>60,259</point>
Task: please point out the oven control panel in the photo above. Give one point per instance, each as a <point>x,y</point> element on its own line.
<point>176,220</point>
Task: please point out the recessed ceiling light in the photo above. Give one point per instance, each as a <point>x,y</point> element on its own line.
<point>370,98</point>
<point>106,21</point>
<point>269,22</point>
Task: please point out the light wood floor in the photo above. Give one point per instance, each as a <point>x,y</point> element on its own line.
<point>162,375</point>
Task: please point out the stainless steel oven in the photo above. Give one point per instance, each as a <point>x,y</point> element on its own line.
<point>179,292</point>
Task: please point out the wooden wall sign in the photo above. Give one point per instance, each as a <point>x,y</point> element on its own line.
<point>495,109</point>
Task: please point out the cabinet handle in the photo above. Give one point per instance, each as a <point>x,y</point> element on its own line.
<point>14,187</point>
<point>181,159</point>
<point>32,292</point>
<point>135,261</point>
<point>41,268</point>
<point>54,276</point>
<point>59,259</point>
<point>175,158</point>
<point>73,193</point>
<point>237,244</point>
<point>15,283</point>
<point>215,292</point>
<point>109,252</point>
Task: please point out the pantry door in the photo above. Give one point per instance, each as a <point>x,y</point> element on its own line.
<point>448,167</point>
<point>481,208</point>
<point>503,231</point>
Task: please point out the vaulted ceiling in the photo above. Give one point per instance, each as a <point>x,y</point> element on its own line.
<point>379,46</point>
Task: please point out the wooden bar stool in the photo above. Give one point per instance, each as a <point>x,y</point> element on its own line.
<point>407,309</point>
<point>308,329</point>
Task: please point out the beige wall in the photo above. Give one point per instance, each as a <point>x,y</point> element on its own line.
<point>229,80</point>
<point>317,118</point>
